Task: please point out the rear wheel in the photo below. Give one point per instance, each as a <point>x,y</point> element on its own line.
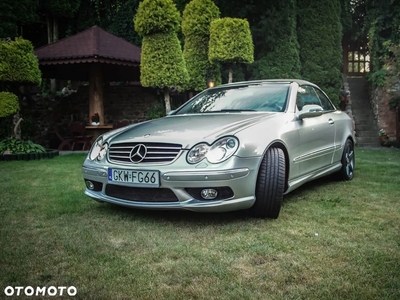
<point>348,161</point>
<point>270,185</point>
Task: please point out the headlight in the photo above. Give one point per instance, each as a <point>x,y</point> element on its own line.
<point>99,150</point>
<point>218,152</point>
<point>197,153</point>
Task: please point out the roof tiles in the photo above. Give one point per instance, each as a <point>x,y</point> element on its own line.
<point>91,45</point>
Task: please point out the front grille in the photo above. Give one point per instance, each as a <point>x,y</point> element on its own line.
<point>156,152</point>
<point>140,194</point>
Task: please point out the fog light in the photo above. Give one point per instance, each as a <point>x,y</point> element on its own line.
<point>89,185</point>
<point>209,194</point>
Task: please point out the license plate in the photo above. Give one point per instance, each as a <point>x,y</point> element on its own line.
<point>134,177</point>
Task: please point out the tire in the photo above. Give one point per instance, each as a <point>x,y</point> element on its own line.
<point>348,161</point>
<point>270,185</point>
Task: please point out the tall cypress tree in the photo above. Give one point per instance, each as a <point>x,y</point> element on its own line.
<point>277,52</point>
<point>319,32</point>
<point>196,20</point>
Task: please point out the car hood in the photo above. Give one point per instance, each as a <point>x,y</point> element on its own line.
<point>188,130</point>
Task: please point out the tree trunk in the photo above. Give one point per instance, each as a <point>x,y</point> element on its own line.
<point>17,127</point>
<point>96,88</point>
<point>230,74</point>
<point>167,100</point>
<point>52,34</point>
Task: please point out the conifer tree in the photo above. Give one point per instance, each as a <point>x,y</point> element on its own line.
<point>230,42</point>
<point>162,64</point>
<point>320,36</point>
<point>196,20</point>
<point>18,66</point>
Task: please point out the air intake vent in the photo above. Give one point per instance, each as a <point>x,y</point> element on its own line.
<point>140,194</point>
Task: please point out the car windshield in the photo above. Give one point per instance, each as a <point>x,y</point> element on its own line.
<point>268,97</point>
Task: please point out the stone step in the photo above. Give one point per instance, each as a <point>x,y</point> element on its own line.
<point>366,127</point>
<point>367,141</point>
<point>363,120</point>
<point>362,111</point>
<point>369,133</point>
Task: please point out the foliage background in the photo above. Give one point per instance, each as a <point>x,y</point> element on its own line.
<point>278,29</point>
<point>320,37</point>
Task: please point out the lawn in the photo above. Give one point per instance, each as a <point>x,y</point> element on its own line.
<point>333,240</point>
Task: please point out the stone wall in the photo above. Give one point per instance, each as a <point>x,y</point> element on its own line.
<point>120,102</point>
<point>386,118</point>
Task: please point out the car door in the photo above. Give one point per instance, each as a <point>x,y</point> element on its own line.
<point>316,133</point>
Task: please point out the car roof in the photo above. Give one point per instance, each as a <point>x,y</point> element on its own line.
<point>298,81</point>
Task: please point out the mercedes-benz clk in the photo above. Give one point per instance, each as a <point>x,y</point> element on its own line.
<point>239,146</point>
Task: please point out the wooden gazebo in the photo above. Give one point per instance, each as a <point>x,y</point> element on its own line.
<point>92,55</point>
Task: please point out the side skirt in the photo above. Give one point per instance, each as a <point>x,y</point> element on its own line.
<point>295,183</point>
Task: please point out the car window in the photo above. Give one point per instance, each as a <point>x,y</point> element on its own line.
<point>271,97</point>
<point>306,95</point>
<point>325,102</point>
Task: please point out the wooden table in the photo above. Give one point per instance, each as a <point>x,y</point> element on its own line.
<point>97,130</point>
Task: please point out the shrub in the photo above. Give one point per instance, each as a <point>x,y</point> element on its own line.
<point>19,63</point>
<point>156,16</point>
<point>162,62</point>
<point>156,111</point>
<point>16,146</point>
<point>321,44</point>
<point>197,17</point>
<point>9,104</point>
<point>225,48</point>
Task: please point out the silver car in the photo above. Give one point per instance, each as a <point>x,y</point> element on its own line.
<point>239,146</point>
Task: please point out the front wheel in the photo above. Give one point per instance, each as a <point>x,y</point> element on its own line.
<point>270,185</point>
<point>348,161</point>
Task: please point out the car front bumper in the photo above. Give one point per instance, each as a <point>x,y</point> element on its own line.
<point>236,180</point>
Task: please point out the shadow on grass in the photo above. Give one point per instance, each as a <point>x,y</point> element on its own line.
<point>202,218</point>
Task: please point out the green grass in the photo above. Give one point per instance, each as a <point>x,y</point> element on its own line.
<point>333,240</point>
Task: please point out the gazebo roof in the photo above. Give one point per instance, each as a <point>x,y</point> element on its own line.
<point>71,57</point>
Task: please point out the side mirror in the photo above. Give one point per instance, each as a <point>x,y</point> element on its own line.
<point>311,111</point>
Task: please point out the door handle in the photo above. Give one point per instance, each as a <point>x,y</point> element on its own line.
<point>330,121</point>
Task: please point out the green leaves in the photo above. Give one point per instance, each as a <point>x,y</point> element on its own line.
<point>162,62</point>
<point>197,17</point>
<point>195,53</point>
<point>230,41</point>
<point>8,104</point>
<point>156,16</point>
<point>196,20</point>
<point>275,38</point>
<point>18,63</point>
<point>321,44</point>
<point>15,146</point>
<point>65,8</point>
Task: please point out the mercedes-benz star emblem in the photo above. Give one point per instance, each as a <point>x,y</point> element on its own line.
<point>138,153</point>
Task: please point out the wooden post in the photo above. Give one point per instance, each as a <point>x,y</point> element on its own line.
<point>96,86</point>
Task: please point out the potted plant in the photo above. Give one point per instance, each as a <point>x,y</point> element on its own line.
<point>95,119</point>
<point>383,137</point>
